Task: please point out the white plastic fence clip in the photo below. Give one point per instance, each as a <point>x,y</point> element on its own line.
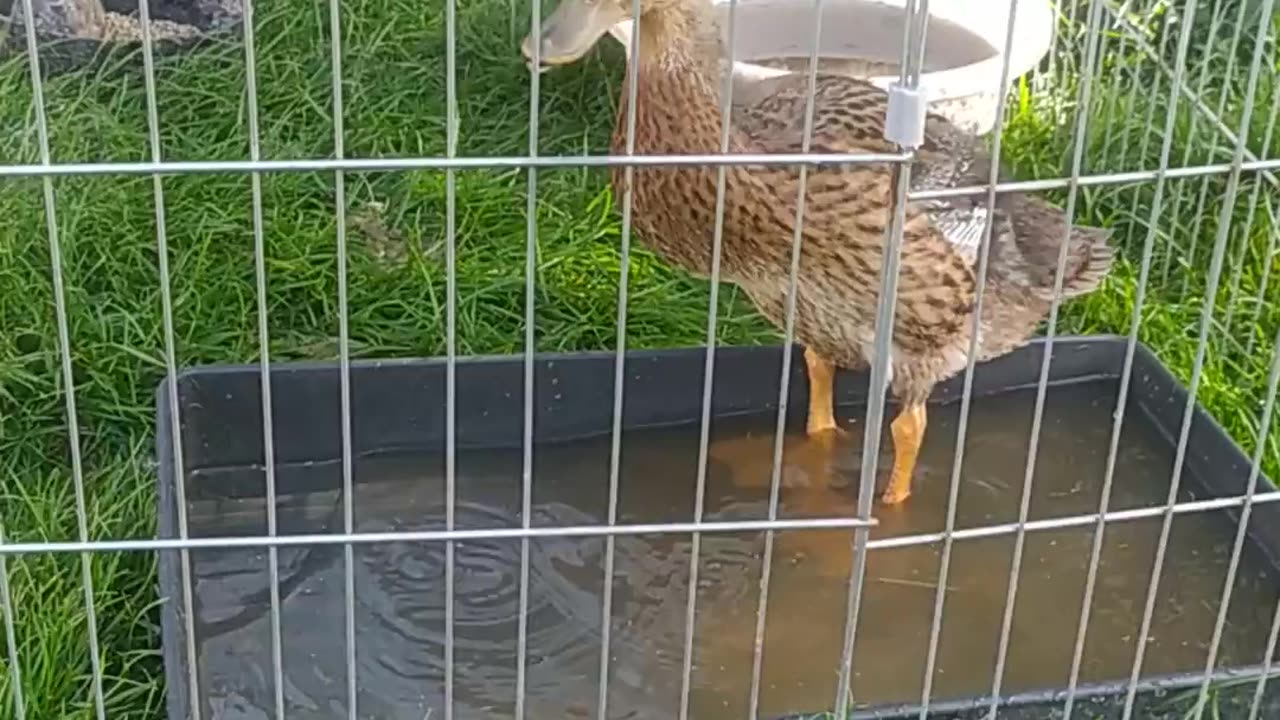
<point>904,120</point>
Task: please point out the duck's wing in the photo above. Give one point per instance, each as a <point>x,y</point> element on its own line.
<point>848,114</point>
<point>849,117</point>
<point>1027,232</point>
<point>851,111</point>
<point>935,288</point>
<point>942,236</point>
<point>950,158</point>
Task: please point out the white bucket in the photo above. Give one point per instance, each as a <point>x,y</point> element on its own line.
<point>962,55</point>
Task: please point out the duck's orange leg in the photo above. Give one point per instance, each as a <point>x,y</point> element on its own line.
<point>908,433</point>
<point>821,393</point>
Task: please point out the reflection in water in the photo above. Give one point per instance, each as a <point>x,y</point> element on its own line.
<point>400,599</point>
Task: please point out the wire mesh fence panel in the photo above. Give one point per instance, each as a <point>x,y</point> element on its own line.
<point>370,359</point>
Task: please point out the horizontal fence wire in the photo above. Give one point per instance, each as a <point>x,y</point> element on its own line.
<point>632,529</point>
<point>194,167</point>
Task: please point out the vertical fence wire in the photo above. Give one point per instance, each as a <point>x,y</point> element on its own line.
<point>1237,271</point>
<point>1067,23</point>
<point>1273,377</point>
<point>619,364</point>
<point>171,363</point>
<point>1058,42</point>
<point>915,27</point>
<point>1211,289</point>
<point>344,361</point>
<point>1202,87</point>
<point>10,635</point>
<point>68,380</point>
<point>1234,291</point>
<point>1137,90</point>
<point>1242,528</point>
<point>1268,258</point>
<point>1268,657</point>
<point>1260,295</point>
<point>530,349</point>
<point>1099,107</point>
<point>1224,92</point>
<point>1118,100</point>
<point>708,377</point>
<point>1204,112</point>
<point>784,375</point>
<point>1048,77</point>
<point>264,355</point>
<point>1149,122</point>
<point>1126,372</point>
<point>966,395</point>
<point>1015,568</point>
<point>451,341</point>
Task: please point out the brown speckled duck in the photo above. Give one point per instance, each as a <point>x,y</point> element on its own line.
<point>845,216</point>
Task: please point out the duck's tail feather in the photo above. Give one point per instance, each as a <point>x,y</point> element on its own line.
<point>1097,263</point>
<point>1030,251</point>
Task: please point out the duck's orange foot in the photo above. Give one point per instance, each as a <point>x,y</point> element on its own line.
<point>822,417</point>
<point>826,431</point>
<point>895,496</point>
<point>908,431</point>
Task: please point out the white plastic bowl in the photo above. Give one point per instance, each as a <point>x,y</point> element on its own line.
<point>962,54</point>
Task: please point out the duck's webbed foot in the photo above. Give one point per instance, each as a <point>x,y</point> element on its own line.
<point>908,433</point>
<point>822,419</point>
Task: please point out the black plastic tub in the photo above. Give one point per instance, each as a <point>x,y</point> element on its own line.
<point>398,409</point>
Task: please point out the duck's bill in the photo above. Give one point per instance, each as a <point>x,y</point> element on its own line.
<point>570,31</point>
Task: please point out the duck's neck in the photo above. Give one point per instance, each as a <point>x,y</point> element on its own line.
<point>678,77</point>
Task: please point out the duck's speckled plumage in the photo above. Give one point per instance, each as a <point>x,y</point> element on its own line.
<point>845,212</point>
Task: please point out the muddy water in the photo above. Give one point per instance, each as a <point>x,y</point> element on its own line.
<point>400,601</point>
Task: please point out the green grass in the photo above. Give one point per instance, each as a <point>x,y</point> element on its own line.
<point>394,89</point>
